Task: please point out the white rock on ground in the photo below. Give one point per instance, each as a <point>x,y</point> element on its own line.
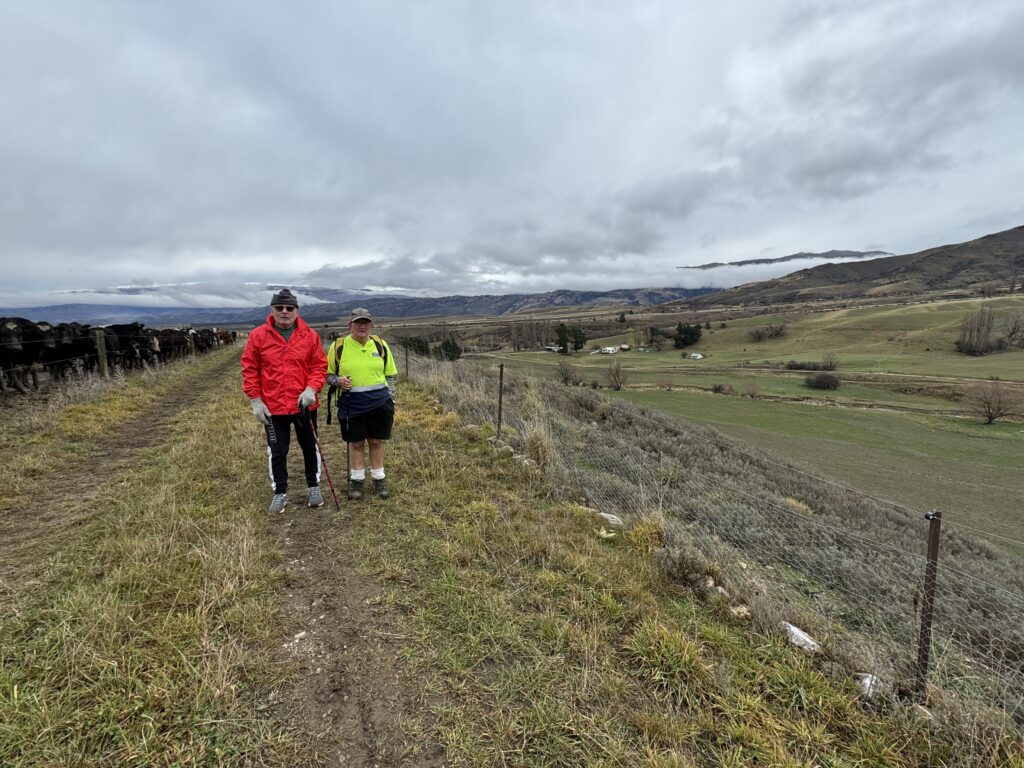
<point>611,519</point>
<point>800,638</point>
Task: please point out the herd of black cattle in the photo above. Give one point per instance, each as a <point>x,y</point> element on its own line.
<point>68,348</point>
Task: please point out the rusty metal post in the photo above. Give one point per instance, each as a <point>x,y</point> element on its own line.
<point>501,392</point>
<point>101,351</point>
<point>931,572</point>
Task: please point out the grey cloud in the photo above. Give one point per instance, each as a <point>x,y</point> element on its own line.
<point>471,148</point>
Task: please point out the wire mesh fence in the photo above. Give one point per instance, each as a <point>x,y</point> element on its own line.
<point>845,566</point>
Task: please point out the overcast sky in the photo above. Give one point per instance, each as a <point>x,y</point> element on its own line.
<point>466,147</point>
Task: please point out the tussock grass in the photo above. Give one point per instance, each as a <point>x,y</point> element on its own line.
<point>144,639</point>
<point>849,573</point>
<point>541,643</point>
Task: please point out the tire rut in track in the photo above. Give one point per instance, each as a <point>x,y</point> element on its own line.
<point>349,689</point>
<point>62,498</point>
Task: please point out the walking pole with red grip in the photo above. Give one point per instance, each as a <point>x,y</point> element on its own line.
<point>323,461</point>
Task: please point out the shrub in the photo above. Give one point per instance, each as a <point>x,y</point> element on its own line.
<point>828,363</point>
<point>767,332</point>
<point>722,389</point>
<point>822,381</point>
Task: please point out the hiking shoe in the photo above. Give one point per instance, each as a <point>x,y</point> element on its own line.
<point>314,497</point>
<point>278,502</point>
<point>355,489</point>
<point>381,488</point>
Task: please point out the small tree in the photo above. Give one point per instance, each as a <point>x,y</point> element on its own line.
<point>657,338</point>
<point>615,376</point>
<point>578,337</point>
<point>622,317</point>
<point>686,335</point>
<point>991,400</point>
<point>562,337</point>
<point>976,333</point>
<point>1013,330</point>
<point>449,349</point>
<point>566,372</point>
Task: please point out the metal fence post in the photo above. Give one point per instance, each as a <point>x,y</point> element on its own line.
<point>192,346</point>
<point>501,391</point>
<point>101,351</point>
<point>931,572</point>
<point>407,361</point>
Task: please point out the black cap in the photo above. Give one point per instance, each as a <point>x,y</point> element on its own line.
<point>285,298</point>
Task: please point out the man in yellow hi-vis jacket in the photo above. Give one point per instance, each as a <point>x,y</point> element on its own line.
<point>362,366</point>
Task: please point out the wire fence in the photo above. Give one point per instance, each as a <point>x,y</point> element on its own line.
<point>845,566</point>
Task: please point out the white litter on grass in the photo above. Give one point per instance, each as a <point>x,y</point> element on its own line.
<point>800,638</point>
<point>870,684</point>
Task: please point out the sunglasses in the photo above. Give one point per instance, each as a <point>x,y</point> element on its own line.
<point>283,308</point>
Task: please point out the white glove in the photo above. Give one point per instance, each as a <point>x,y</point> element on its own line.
<point>260,410</point>
<point>307,398</point>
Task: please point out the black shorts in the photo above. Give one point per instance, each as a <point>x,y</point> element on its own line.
<point>375,424</point>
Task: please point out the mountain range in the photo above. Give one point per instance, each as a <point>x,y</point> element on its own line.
<point>987,265</point>
<point>984,266</point>
<point>327,310</point>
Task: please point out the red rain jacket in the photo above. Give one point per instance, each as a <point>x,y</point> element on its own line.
<point>277,371</point>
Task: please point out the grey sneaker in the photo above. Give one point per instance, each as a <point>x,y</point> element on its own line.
<point>355,489</point>
<point>381,488</point>
<point>314,497</point>
<point>278,502</point>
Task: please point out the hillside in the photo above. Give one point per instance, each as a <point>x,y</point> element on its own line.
<point>382,306</point>
<point>986,264</point>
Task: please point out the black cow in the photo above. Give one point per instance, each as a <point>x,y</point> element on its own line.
<point>131,345</point>
<point>173,344</point>
<point>26,342</point>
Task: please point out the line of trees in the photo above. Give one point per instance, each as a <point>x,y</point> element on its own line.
<point>977,333</point>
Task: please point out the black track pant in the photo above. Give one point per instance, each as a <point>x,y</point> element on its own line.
<point>279,434</point>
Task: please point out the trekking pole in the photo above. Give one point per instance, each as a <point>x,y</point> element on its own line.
<point>348,447</point>
<point>316,439</point>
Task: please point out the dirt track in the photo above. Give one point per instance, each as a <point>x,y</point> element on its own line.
<point>348,691</point>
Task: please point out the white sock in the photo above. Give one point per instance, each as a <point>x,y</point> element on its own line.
<point>377,474</point>
<point>358,474</point>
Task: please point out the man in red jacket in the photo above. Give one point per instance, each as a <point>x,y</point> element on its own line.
<point>283,368</point>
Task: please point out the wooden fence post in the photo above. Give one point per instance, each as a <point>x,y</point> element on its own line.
<point>931,572</point>
<point>501,392</point>
<point>101,352</point>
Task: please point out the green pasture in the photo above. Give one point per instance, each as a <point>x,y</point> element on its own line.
<point>969,470</point>
<point>917,339</point>
<point>891,429</point>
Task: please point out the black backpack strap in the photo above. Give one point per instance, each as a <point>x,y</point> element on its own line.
<point>382,350</point>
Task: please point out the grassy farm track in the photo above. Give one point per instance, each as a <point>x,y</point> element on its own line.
<point>468,620</point>
<point>61,468</point>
